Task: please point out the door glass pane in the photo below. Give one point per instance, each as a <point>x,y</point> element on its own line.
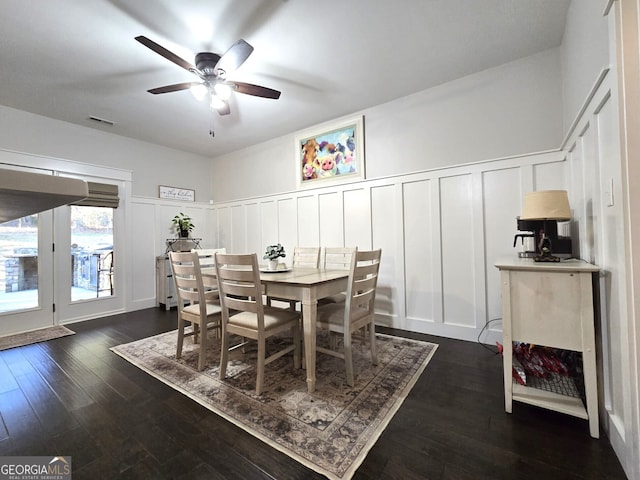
<point>92,266</point>
<point>19,264</point>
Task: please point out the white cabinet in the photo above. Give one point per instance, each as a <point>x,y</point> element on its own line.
<point>550,304</point>
<point>165,287</point>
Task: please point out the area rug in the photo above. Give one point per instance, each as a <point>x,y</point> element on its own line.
<point>34,336</point>
<point>330,430</point>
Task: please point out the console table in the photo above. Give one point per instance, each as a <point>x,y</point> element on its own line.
<point>550,304</point>
<point>165,287</point>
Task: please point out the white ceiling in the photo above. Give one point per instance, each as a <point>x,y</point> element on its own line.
<point>72,59</point>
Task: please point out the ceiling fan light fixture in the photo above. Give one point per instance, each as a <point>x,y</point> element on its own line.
<point>198,91</point>
<point>222,90</point>
<point>216,102</point>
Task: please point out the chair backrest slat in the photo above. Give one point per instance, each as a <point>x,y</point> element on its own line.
<point>239,284</point>
<point>363,281</point>
<point>188,280</point>
<point>306,257</point>
<point>338,258</point>
<point>207,259</point>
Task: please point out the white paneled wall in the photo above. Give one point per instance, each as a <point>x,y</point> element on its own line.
<point>308,220</point>
<point>440,231</point>
<point>593,156</point>
<point>149,226</point>
<point>386,233</point>
<point>457,253</point>
<point>422,274</point>
<point>331,219</point>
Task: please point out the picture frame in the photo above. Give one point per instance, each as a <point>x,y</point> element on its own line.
<point>176,193</point>
<point>330,153</point>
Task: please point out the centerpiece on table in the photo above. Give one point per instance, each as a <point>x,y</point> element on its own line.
<point>272,253</point>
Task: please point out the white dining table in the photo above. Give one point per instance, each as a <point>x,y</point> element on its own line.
<point>306,285</point>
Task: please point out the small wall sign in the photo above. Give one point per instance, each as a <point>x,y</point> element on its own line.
<point>175,193</point>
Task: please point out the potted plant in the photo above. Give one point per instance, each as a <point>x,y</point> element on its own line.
<point>272,253</point>
<point>183,224</point>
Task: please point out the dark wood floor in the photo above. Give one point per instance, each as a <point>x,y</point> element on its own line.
<point>72,396</point>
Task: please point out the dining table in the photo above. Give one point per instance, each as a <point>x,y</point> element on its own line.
<point>306,285</point>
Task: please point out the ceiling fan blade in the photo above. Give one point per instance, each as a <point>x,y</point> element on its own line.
<point>173,88</point>
<point>160,50</point>
<point>234,57</point>
<point>256,90</point>
<point>224,110</point>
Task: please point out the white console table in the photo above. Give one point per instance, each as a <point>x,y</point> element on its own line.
<point>165,287</point>
<point>550,304</point>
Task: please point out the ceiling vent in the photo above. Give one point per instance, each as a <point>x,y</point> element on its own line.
<point>102,120</point>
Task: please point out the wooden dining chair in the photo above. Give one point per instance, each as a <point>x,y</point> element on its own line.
<point>303,257</point>
<point>357,312</point>
<point>336,258</point>
<point>207,259</point>
<point>306,257</point>
<point>241,292</point>
<point>197,304</point>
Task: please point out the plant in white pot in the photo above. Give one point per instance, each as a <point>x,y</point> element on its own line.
<point>272,253</point>
<point>183,224</point>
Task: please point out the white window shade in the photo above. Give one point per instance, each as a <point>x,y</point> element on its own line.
<point>100,195</point>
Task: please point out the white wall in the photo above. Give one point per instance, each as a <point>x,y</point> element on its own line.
<point>585,51</point>
<point>598,199</point>
<point>151,165</point>
<point>593,154</point>
<point>441,231</point>
<point>509,110</point>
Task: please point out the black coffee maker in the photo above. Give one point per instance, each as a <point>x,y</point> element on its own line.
<point>527,239</point>
<point>539,238</point>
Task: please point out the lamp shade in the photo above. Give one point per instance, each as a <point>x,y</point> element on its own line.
<point>546,205</point>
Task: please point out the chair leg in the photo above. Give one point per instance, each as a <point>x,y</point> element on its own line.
<point>262,351</point>
<point>196,332</point>
<point>348,360</point>
<point>202,357</point>
<point>303,359</point>
<point>333,341</point>
<point>295,331</point>
<point>180,338</point>
<point>372,342</point>
<point>224,353</point>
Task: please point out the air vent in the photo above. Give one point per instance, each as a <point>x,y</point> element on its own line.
<point>102,120</point>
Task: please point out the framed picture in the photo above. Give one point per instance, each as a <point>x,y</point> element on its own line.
<point>330,153</point>
<point>175,193</point>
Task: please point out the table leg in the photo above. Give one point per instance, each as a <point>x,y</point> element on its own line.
<point>507,342</point>
<point>589,367</point>
<point>309,312</point>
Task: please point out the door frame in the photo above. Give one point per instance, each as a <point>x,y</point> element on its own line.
<point>59,277</point>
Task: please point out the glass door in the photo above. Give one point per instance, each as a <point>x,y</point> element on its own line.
<point>26,277</point>
<point>92,262</point>
<point>86,263</point>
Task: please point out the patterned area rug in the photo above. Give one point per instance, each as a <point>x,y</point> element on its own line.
<point>330,430</point>
<point>35,336</point>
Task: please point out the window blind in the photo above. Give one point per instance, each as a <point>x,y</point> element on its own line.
<point>100,195</point>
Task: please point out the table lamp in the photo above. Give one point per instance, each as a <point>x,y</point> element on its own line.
<point>547,207</point>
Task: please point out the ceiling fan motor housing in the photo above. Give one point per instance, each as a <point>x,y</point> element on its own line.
<point>206,62</point>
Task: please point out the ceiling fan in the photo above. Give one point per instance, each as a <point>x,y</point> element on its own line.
<point>212,69</point>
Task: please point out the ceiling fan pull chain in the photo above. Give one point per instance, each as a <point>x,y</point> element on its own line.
<point>211,132</point>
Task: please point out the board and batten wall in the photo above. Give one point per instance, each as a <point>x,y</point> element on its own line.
<point>594,164</point>
<point>440,231</point>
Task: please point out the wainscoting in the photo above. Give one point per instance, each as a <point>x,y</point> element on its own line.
<point>440,231</point>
